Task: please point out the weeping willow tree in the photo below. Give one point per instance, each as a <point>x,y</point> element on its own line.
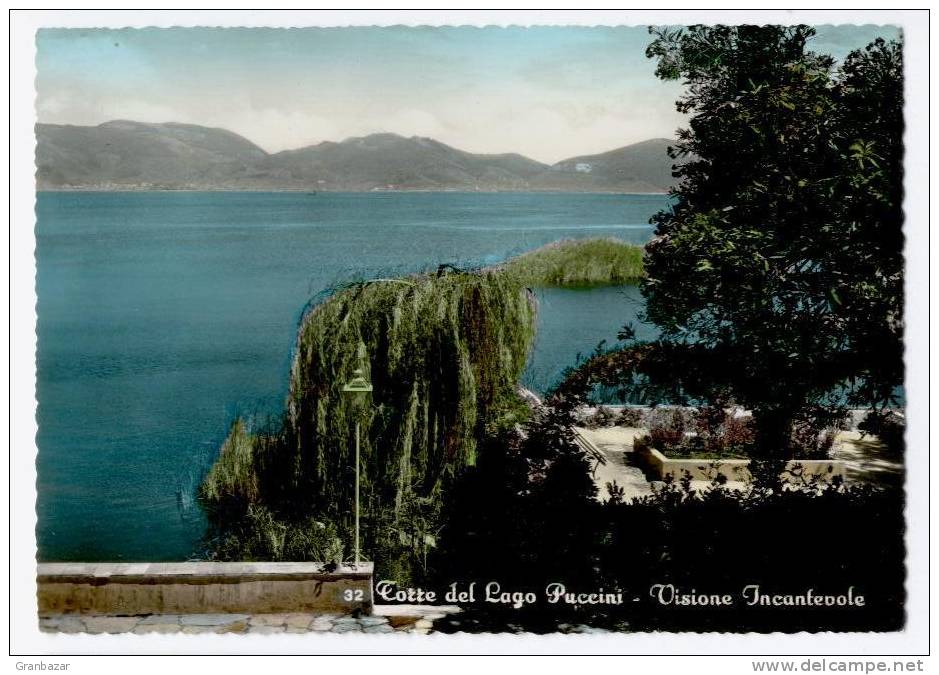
<point>443,352</point>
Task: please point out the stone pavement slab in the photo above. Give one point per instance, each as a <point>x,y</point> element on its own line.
<point>160,619</point>
<point>386,619</point>
<point>159,628</point>
<point>110,624</point>
<point>211,619</point>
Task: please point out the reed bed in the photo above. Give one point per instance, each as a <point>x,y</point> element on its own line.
<point>585,262</point>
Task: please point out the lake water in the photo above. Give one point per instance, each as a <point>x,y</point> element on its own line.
<point>162,316</point>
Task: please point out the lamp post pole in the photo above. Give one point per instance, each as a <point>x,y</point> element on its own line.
<point>358,385</point>
<point>357,465</point>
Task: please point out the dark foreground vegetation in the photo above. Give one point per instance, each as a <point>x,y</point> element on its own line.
<point>788,544</point>
<point>539,523</point>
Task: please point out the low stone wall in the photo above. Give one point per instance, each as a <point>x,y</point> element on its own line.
<point>796,471</point>
<point>131,589</point>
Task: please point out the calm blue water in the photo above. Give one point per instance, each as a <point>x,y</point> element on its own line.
<point>164,315</point>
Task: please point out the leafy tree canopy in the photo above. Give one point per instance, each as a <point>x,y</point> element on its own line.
<point>781,260</point>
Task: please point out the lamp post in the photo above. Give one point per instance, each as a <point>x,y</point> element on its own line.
<point>358,385</point>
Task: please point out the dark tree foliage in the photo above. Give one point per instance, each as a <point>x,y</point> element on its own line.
<point>780,262</point>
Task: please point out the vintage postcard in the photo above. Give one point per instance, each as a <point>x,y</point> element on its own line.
<point>376,334</point>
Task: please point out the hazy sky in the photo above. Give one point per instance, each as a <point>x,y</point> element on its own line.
<point>546,92</point>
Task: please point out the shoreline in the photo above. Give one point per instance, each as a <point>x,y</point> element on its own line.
<point>95,190</point>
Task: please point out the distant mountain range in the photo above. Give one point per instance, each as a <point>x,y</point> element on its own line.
<point>122,155</point>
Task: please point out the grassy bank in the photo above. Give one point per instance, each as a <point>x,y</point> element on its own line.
<point>585,262</point>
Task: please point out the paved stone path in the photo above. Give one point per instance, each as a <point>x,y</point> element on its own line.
<point>867,460</point>
<point>385,619</point>
<point>615,445</point>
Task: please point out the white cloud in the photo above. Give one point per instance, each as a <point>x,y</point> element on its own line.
<point>92,110</point>
<point>552,132</point>
<point>276,130</point>
<point>414,122</point>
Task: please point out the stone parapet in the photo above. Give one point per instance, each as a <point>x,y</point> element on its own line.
<point>132,589</point>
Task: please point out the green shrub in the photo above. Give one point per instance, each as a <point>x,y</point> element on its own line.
<point>631,417</point>
<point>601,417</point>
<point>232,476</point>
<point>259,535</point>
